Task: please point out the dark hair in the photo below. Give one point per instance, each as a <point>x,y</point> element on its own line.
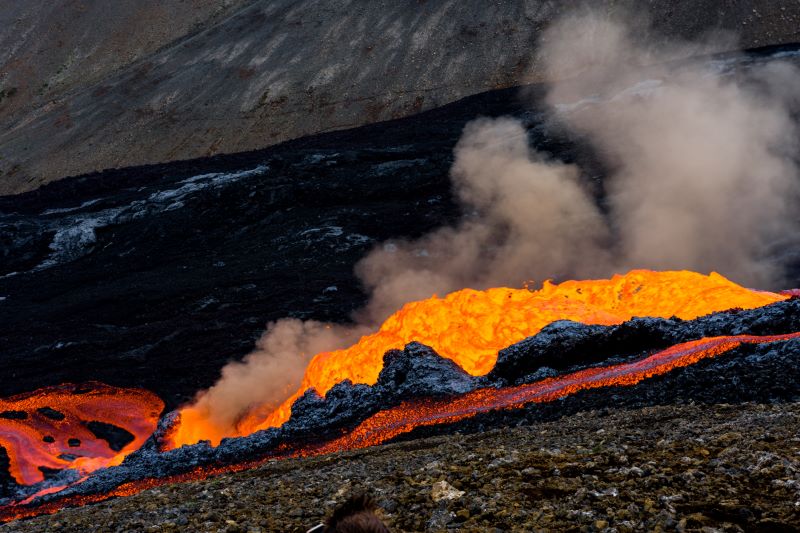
<point>356,515</point>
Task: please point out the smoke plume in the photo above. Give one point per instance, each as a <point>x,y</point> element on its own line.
<point>528,216</point>
<point>702,177</point>
<point>268,375</point>
<point>703,171</point>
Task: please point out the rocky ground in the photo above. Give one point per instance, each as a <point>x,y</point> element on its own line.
<point>685,468</point>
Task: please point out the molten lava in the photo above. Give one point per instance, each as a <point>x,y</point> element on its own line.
<point>396,421</point>
<point>51,429</point>
<point>470,327</point>
<point>390,423</point>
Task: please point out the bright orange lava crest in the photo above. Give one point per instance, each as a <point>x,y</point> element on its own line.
<point>470,327</point>
<point>48,428</point>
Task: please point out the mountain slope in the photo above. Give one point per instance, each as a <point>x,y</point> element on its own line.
<point>154,86</point>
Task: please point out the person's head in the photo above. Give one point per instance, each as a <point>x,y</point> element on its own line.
<point>356,515</point>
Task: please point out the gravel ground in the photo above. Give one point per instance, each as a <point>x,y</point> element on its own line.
<point>684,468</point>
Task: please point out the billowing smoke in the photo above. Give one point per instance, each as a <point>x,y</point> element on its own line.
<point>703,171</point>
<point>527,216</point>
<point>702,174</point>
<point>267,376</point>
<point>702,177</point>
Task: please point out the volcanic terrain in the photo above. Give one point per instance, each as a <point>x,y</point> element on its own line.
<point>127,291</point>
<point>690,467</point>
<point>79,80</point>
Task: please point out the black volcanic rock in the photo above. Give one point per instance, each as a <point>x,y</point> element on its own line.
<point>7,484</point>
<point>564,345</point>
<point>416,371</point>
<point>344,404</point>
<point>557,346</point>
<point>51,413</point>
<point>116,436</point>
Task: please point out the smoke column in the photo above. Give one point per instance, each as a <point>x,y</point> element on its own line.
<point>268,375</point>
<point>530,216</point>
<point>703,172</point>
<point>702,177</point>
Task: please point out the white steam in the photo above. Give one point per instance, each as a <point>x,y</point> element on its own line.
<point>702,177</point>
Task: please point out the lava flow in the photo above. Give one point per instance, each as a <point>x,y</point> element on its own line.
<point>390,423</point>
<point>470,327</point>
<point>82,427</point>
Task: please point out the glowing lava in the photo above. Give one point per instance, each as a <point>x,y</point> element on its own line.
<point>390,423</point>
<point>470,327</point>
<point>50,428</point>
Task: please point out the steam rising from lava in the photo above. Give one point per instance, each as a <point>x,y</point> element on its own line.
<point>265,378</point>
<point>530,217</point>
<point>703,175</point>
<point>700,177</point>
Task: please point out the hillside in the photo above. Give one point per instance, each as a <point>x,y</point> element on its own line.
<point>86,87</point>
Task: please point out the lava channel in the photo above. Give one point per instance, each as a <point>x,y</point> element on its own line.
<point>470,327</point>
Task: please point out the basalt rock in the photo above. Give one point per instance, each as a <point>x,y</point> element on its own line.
<point>344,404</point>
<point>566,345</point>
<point>7,484</point>
<point>417,371</point>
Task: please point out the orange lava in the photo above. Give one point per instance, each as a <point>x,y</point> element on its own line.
<point>47,428</point>
<point>390,423</point>
<point>470,327</point>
